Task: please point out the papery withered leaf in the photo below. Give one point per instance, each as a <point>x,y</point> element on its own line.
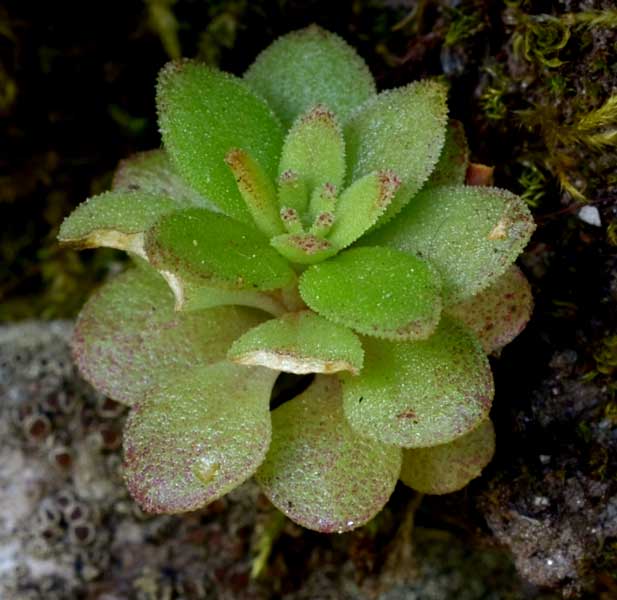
<point>498,313</point>
<point>128,336</point>
<point>361,204</point>
<point>217,251</point>
<point>402,130</point>
<point>301,342</point>
<point>314,149</point>
<point>152,172</point>
<point>309,67</point>
<point>451,168</point>
<point>449,467</point>
<point>471,234</point>
<point>203,113</point>
<point>318,470</point>
<point>197,436</point>
<point>420,393</point>
<point>376,291</point>
<point>115,220</point>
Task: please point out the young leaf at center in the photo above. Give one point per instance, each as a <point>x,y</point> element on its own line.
<point>314,149</point>
<point>361,204</point>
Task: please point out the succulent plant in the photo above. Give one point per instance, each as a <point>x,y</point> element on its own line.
<point>298,221</point>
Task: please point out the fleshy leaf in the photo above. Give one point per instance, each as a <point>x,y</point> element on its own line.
<point>303,248</point>
<point>301,342</point>
<point>128,337</point>
<point>257,191</point>
<point>361,204</point>
<point>203,113</point>
<point>314,149</point>
<point>376,291</point>
<point>115,220</point>
<point>498,313</point>
<point>420,393</point>
<point>292,192</point>
<point>323,199</point>
<point>451,168</point>
<point>308,67</point>
<point>403,130</point>
<point>197,436</point>
<point>217,251</point>
<point>470,234</point>
<point>318,470</point>
<point>153,173</point>
<point>191,294</point>
<point>449,467</point>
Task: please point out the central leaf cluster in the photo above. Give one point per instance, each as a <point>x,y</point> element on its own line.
<point>308,215</point>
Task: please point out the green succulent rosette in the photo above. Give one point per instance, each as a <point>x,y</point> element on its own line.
<point>298,221</point>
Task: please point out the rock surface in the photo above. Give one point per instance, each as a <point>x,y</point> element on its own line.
<point>68,529</point>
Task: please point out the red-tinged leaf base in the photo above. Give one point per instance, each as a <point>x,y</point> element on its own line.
<point>128,336</point>
<point>449,467</point>
<point>197,437</point>
<point>500,312</point>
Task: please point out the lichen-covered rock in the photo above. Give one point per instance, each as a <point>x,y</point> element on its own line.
<point>69,530</point>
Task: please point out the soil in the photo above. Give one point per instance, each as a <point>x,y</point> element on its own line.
<point>76,96</point>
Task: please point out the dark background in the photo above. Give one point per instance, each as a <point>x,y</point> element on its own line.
<point>77,95</point>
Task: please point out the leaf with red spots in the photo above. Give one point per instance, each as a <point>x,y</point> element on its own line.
<point>500,312</point>
<point>318,470</point>
<point>309,67</point>
<point>376,291</point>
<point>197,436</point>
<point>301,342</point>
<point>449,467</point>
<point>128,337</point>
<point>314,149</point>
<point>420,393</point>
<point>204,113</point>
